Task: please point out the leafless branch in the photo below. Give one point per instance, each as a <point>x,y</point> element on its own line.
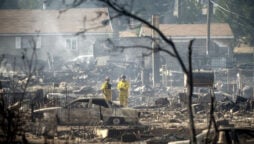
<point>190,87</point>
<point>158,49</point>
<point>120,9</point>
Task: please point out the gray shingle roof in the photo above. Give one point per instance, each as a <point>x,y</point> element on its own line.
<point>54,21</point>
<point>244,49</point>
<point>218,30</point>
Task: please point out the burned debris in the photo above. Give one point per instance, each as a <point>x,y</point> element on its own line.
<point>164,83</point>
<point>78,113</point>
<point>67,105</point>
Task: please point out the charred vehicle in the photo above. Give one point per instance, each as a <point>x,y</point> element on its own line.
<point>89,111</point>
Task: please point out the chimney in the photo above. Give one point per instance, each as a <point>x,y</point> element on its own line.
<point>44,5</point>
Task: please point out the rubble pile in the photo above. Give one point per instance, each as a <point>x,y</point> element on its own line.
<point>156,115</point>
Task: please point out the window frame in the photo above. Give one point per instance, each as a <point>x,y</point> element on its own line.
<point>71,44</point>
<point>20,40</point>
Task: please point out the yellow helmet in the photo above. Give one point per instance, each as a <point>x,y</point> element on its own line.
<point>107,79</point>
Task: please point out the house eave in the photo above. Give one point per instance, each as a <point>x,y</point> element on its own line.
<point>202,37</point>
<point>54,34</point>
<point>196,37</point>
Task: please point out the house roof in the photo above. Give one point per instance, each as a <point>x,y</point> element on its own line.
<point>54,21</point>
<point>218,30</point>
<point>129,33</point>
<point>244,49</point>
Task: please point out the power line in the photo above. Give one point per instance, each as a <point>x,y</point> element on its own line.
<point>238,22</point>
<point>233,13</point>
<point>247,25</point>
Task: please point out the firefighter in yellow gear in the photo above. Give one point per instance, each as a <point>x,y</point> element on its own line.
<point>123,87</point>
<point>106,89</point>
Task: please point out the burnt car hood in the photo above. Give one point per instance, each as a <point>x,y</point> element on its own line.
<point>47,109</point>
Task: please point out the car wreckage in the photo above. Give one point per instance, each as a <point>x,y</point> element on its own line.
<point>88,111</point>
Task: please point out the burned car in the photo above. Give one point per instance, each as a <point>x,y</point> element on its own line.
<point>89,111</point>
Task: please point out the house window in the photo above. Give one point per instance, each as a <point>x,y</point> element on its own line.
<point>18,42</point>
<point>71,44</point>
<point>38,42</point>
<point>28,42</point>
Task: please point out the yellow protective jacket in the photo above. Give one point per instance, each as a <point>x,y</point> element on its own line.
<point>106,89</point>
<point>123,87</point>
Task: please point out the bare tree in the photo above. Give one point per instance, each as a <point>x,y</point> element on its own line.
<point>13,119</point>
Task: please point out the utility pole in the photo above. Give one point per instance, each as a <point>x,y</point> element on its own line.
<point>209,11</point>
<point>155,54</point>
